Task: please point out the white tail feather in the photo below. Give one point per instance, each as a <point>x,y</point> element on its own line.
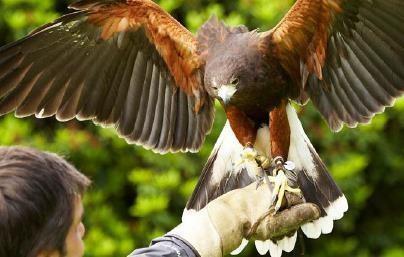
<point>326,224</point>
<point>275,250</point>
<point>312,229</point>
<point>262,246</point>
<point>229,153</point>
<point>301,155</point>
<point>337,208</point>
<point>299,152</point>
<point>239,249</point>
<point>288,243</point>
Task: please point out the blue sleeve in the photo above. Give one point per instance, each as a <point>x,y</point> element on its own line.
<point>167,246</point>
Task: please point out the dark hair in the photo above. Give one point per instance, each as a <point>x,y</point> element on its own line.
<point>37,194</point>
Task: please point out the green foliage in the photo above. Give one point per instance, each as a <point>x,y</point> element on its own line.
<point>138,195</point>
<point>22,16</point>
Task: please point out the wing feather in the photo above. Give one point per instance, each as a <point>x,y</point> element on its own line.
<point>31,102</point>
<point>169,115</point>
<point>347,55</point>
<point>93,84</point>
<point>109,62</point>
<point>142,110</point>
<point>134,94</point>
<point>15,97</point>
<point>116,77</point>
<point>182,121</point>
<point>122,90</point>
<point>12,78</point>
<point>152,103</point>
<point>160,110</point>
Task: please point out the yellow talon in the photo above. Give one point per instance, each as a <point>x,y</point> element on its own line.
<point>280,187</point>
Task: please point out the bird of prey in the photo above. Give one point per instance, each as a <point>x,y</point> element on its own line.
<point>130,65</point>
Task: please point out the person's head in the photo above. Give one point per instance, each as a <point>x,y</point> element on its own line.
<point>40,205</point>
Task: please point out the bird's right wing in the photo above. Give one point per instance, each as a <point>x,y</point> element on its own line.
<point>126,64</point>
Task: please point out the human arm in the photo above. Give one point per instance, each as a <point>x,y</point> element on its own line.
<point>219,228</point>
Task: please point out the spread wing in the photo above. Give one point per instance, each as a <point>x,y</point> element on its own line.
<point>346,55</point>
<point>126,64</point>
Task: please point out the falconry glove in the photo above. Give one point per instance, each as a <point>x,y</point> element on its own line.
<point>221,226</point>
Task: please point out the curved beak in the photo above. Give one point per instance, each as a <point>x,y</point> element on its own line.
<point>226,92</point>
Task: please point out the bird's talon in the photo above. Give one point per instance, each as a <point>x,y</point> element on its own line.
<point>280,185</point>
<point>293,190</point>
<point>248,154</point>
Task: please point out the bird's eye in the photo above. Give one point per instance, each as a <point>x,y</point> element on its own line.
<point>234,81</point>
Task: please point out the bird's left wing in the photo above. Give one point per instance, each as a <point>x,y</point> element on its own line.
<point>126,64</point>
<point>346,55</point>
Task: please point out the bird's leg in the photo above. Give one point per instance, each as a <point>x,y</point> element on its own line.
<point>280,141</point>
<point>281,181</point>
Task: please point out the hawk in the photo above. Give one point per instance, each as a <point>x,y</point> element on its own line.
<point>130,65</point>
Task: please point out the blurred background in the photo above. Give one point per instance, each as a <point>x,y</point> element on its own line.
<point>138,195</point>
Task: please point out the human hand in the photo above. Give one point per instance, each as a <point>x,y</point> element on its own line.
<point>247,213</point>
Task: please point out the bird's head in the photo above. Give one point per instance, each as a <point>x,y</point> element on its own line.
<point>230,70</point>
<point>230,79</point>
<point>223,83</point>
